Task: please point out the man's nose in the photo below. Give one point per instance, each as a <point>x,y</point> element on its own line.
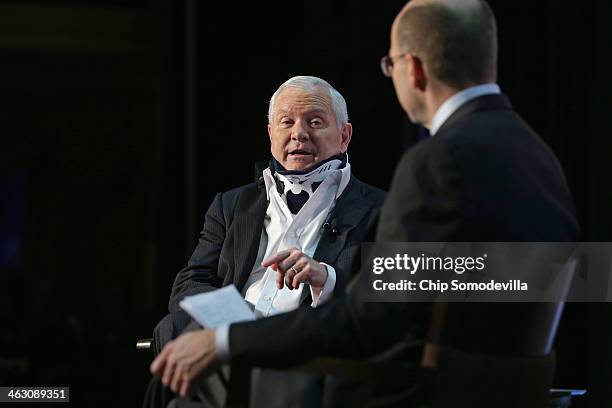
<point>299,132</point>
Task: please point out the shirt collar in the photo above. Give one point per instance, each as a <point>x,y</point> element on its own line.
<point>345,176</point>
<point>457,100</point>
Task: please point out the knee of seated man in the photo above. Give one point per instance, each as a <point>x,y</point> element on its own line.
<point>169,328</point>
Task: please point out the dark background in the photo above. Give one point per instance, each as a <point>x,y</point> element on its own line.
<point>122,119</point>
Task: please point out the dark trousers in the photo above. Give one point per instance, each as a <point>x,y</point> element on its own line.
<point>170,327</point>
<point>210,393</point>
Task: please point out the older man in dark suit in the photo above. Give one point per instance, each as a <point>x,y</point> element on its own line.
<point>307,208</point>
<point>483,175</point>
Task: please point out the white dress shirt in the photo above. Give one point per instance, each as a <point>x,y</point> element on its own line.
<point>456,101</point>
<point>283,230</point>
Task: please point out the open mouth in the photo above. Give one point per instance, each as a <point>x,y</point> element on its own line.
<point>299,153</point>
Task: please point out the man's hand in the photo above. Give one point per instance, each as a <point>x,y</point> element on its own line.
<point>184,359</point>
<point>293,267</point>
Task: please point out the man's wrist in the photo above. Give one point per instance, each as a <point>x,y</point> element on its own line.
<point>326,271</point>
<point>324,294</point>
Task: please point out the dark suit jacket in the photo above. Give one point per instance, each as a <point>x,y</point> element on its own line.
<point>229,240</point>
<point>485,176</point>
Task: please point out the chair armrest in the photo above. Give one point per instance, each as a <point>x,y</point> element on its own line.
<point>562,398</point>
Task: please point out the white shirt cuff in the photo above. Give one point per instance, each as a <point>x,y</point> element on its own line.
<point>328,288</point>
<point>222,343</point>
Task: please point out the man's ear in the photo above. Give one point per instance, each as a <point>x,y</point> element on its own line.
<point>417,72</point>
<point>270,132</point>
<point>347,133</point>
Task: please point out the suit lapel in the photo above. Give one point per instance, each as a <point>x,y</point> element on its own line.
<point>350,209</point>
<point>248,223</point>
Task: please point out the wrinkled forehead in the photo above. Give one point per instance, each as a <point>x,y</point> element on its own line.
<point>293,99</point>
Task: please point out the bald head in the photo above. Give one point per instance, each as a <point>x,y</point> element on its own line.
<point>456,39</point>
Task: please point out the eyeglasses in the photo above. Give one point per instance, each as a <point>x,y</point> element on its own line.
<point>386,63</point>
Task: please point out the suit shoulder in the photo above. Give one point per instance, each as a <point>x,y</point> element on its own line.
<point>236,191</point>
<point>371,193</point>
<point>487,128</point>
<point>229,198</point>
<point>424,153</point>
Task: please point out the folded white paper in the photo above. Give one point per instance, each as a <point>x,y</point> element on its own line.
<point>217,308</point>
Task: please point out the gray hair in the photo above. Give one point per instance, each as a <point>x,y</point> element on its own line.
<point>312,84</point>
